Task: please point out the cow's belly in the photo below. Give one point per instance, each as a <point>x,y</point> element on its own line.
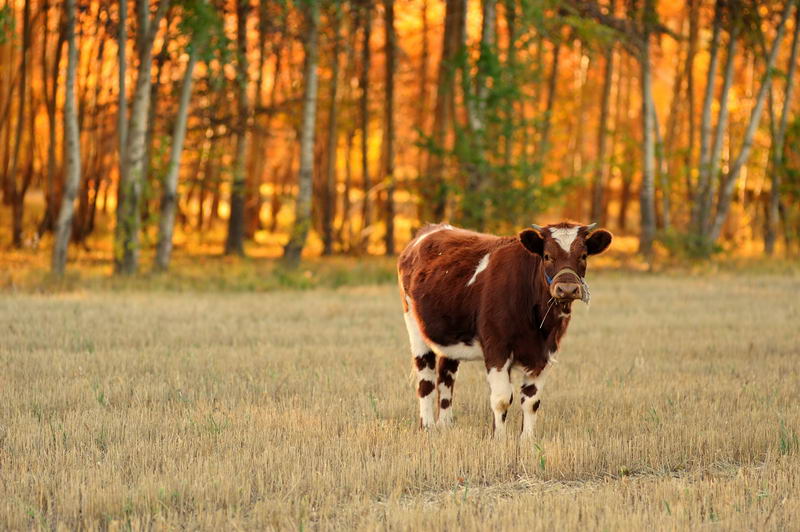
<point>460,351</point>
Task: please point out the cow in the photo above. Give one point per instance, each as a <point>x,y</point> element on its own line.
<point>503,300</point>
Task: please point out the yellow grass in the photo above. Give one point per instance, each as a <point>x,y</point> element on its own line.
<point>674,406</point>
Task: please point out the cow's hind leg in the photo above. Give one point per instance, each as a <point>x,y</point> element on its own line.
<point>424,362</point>
<point>446,370</point>
<point>501,396</point>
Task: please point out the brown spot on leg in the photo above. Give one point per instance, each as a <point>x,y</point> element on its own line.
<point>529,390</point>
<point>445,403</point>
<point>425,387</point>
<point>427,360</point>
<point>536,405</point>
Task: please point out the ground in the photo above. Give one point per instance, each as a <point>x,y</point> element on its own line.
<point>673,406</point>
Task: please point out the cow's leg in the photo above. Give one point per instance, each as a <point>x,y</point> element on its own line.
<point>446,370</point>
<point>531,394</point>
<point>424,362</point>
<point>501,395</point>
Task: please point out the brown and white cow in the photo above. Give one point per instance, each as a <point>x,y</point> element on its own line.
<point>503,300</point>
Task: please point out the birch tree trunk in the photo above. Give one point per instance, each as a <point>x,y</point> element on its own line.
<point>169,196</point>
<point>234,244</point>
<point>71,149</point>
<point>647,193</point>
<point>126,245</point>
<point>730,179</point>
<point>705,122</point>
<point>773,209</point>
<point>705,194</point>
<point>302,222</point>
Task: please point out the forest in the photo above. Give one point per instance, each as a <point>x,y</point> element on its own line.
<point>289,128</point>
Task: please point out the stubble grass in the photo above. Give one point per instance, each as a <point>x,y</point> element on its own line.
<point>673,405</point>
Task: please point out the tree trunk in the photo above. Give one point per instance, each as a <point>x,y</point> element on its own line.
<point>433,187</point>
<point>647,193</point>
<point>389,154</point>
<point>544,139</point>
<point>601,172</point>
<point>126,251</point>
<point>18,191</point>
<point>729,180</point>
<point>169,197</point>
<point>122,106</point>
<point>773,208</point>
<point>302,221</point>
<point>71,149</point>
<point>234,244</point>
<point>694,31</point>
<point>704,178</point>
<point>706,193</point>
<point>329,199</point>
<point>366,207</point>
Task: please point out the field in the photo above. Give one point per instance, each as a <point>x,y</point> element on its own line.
<point>673,406</point>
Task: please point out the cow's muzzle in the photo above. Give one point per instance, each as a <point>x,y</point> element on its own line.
<point>567,291</point>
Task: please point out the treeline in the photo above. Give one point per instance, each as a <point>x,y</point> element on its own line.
<point>146,122</point>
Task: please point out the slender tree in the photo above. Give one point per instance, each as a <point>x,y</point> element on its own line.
<point>647,193</point>
<point>72,150</point>
<point>302,222</point>
<point>126,251</point>
<point>779,137</point>
<point>389,132</point>
<point>329,199</point>
<point>235,241</point>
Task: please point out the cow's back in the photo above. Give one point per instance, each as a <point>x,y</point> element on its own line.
<point>439,273</point>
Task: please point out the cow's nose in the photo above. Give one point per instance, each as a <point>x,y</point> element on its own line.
<point>568,291</point>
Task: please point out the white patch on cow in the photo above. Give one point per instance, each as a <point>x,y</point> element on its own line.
<point>429,233</point>
<point>418,345</point>
<point>500,396</point>
<point>482,265</point>
<point>564,236</point>
<point>427,404</point>
<point>528,414</point>
<point>460,351</point>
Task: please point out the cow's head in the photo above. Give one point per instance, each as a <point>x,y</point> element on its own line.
<point>564,248</point>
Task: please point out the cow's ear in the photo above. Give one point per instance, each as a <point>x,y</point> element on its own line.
<point>533,241</point>
<point>598,241</point>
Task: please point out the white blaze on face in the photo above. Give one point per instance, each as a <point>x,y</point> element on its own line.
<point>565,236</point>
<point>482,265</point>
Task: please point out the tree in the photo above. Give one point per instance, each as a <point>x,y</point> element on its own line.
<point>778,144</point>
<point>71,147</point>
<point>389,134</point>
<point>302,222</point>
<point>329,199</point>
<point>647,194</point>
<point>235,241</point>
<point>129,194</point>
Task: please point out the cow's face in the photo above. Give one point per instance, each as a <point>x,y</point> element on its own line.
<point>564,249</point>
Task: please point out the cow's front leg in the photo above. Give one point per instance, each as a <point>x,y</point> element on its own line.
<point>501,395</point>
<point>531,393</point>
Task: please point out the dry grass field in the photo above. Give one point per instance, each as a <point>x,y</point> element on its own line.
<point>675,405</point>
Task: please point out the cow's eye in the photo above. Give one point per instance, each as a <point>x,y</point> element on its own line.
<point>547,257</point>
<point>583,257</point>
